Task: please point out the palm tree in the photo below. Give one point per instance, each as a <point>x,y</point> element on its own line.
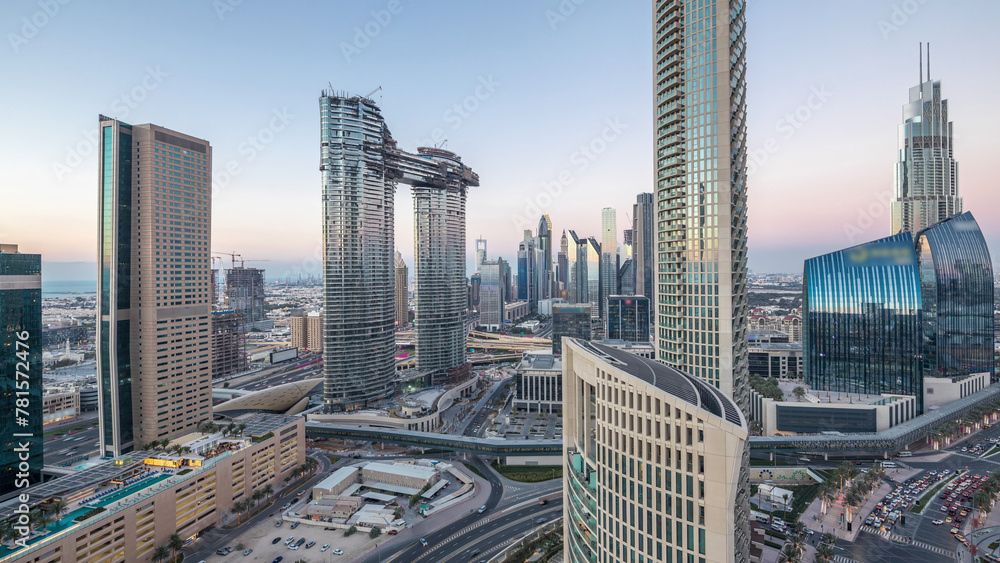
<point>790,554</point>
<point>58,507</point>
<point>257,495</point>
<point>268,490</point>
<point>161,553</point>
<point>237,509</point>
<point>824,553</point>
<point>797,529</point>
<point>7,531</point>
<point>982,501</point>
<point>827,495</point>
<point>175,543</point>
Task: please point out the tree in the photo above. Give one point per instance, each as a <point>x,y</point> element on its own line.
<point>44,519</point>
<point>58,507</point>
<point>161,553</point>
<point>350,531</point>
<point>799,392</point>
<point>784,506</point>
<point>239,546</point>
<point>376,532</point>
<point>790,554</point>
<point>175,543</point>
<point>824,553</point>
<point>256,496</point>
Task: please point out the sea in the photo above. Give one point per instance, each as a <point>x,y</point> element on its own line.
<point>79,288</point>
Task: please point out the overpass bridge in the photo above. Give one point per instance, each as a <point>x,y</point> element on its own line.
<point>892,440</point>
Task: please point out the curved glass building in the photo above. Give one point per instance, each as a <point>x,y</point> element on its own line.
<point>881,317</point>
<point>956,284</point>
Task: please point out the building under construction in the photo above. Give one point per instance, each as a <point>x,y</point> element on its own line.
<point>245,294</point>
<point>228,344</point>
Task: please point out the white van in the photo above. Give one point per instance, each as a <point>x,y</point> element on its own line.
<point>905,454</point>
<point>889,464</point>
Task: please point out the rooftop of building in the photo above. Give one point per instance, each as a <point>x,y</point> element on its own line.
<point>336,477</point>
<point>625,344</point>
<point>665,378</point>
<point>401,469</point>
<point>776,346</point>
<point>813,396</point>
<point>540,360</point>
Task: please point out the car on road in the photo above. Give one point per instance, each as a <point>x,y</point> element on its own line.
<point>541,520</point>
<point>325,547</point>
<point>482,509</point>
<point>937,522</point>
<point>542,502</point>
<point>423,542</point>
<point>474,553</point>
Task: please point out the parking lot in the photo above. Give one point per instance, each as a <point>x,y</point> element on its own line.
<point>261,538</point>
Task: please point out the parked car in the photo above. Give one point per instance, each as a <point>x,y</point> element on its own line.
<point>325,547</point>
<point>275,540</point>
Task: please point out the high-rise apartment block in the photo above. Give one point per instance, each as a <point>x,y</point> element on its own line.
<point>652,462</point>
<point>699,62</point>
<point>402,292</point>
<point>527,289</point>
<point>20,367</point>
<point>154,353</point>
<point>360,165</point>
<point>307,330</point>
<point>491,294</point>
<point>926,175</point>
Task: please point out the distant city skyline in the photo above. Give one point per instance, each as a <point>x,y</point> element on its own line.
<point>504,104</point>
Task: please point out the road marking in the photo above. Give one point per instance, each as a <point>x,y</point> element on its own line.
<point>934,548</point>
<point>842,559</point>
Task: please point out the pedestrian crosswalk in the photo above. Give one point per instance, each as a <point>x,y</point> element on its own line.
<point>842,559</point>
<point>933,548</point>
<point>875,531</point>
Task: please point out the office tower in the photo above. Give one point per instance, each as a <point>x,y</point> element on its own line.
<point>591,279</point>
<point>213,289</point>
<point>926,175</point>
<point>245,294</point>
<point>307,330</point>
<point>360,165</point>
<point>889,315</point>
<point>491,294</point>
<point>543,258</point>
<point>510,295</point>
<point>642,244</point>
<point>21,366</point>
<point>633,424</point>
<point>574,270</point>
<point>626,277</point>
<point>626,244</point>
<point>562,266</point>
<point>609,256</point>
<point>628,318</point>
<point>571,320</point>
<point>699,59</point>
<point>402,277</point>
<point>475,284</point>
<point>526,275</point>
<point>154,346</point>
<point>480,252</point>
<point>229,355</point>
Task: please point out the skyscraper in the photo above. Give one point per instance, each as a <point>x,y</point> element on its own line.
<point>361,164</point>
<point>543,258</point>
<point>628,318</point>
<point>701,205</point>
<point>571,320</point>
<point>480,252</point>
<point>21,365</point>
<point>229,355</point>
<point>642,244</point>
<point>359,313</point>
<point>154,346</point>
<point>699,123</point>
<point>609,256</point>
<point>491,294</point>
<point>526,274</point>
<point>562,267</point>
<point>402,292</point>
<point>926,176</point>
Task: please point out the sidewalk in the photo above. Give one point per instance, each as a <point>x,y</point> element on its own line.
<point>814,519</point>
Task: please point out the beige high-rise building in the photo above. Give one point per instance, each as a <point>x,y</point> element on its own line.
<point>402,292</point>
<point>154,352</point>
<point>653,462</point>
<point>307,331</point>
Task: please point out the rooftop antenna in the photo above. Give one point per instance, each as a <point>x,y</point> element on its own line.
<point>928,61</point>
<point>921,63</point>
<point>330,84</point>
<point>441,144</point>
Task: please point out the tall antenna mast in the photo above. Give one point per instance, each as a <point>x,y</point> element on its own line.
<point>921,63</point>
<point>928,61</point>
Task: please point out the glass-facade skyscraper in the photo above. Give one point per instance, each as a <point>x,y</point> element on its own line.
<point>153,284</point>
<point>699,54</point>
<point>926,174</point>
<point>20,365</point>
<point>609,257</point>
<point>628,318</point>
<point>882,316</point>
<point>642,244</point>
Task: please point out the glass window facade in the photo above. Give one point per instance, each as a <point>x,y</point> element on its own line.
<point>628,318</point>
<point>881,316</point>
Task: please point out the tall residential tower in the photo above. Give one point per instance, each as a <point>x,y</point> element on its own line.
<point>153,302</point>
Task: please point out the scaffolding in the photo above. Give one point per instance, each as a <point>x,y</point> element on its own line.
<point>228,344</point>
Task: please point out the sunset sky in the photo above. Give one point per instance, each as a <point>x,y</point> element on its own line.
<point>518,89</point>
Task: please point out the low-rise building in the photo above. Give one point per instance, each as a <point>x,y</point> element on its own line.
<point>538,382</point>
<point>515,310</point>
<point>122,509</point>
<point>60,405</point>
<point>775,359</point>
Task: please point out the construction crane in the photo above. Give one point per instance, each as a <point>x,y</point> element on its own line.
<point>249,260</point>
<point>232,256</point>
<point>369,94</point>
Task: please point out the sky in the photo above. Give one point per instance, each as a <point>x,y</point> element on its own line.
<point>549,101</point>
